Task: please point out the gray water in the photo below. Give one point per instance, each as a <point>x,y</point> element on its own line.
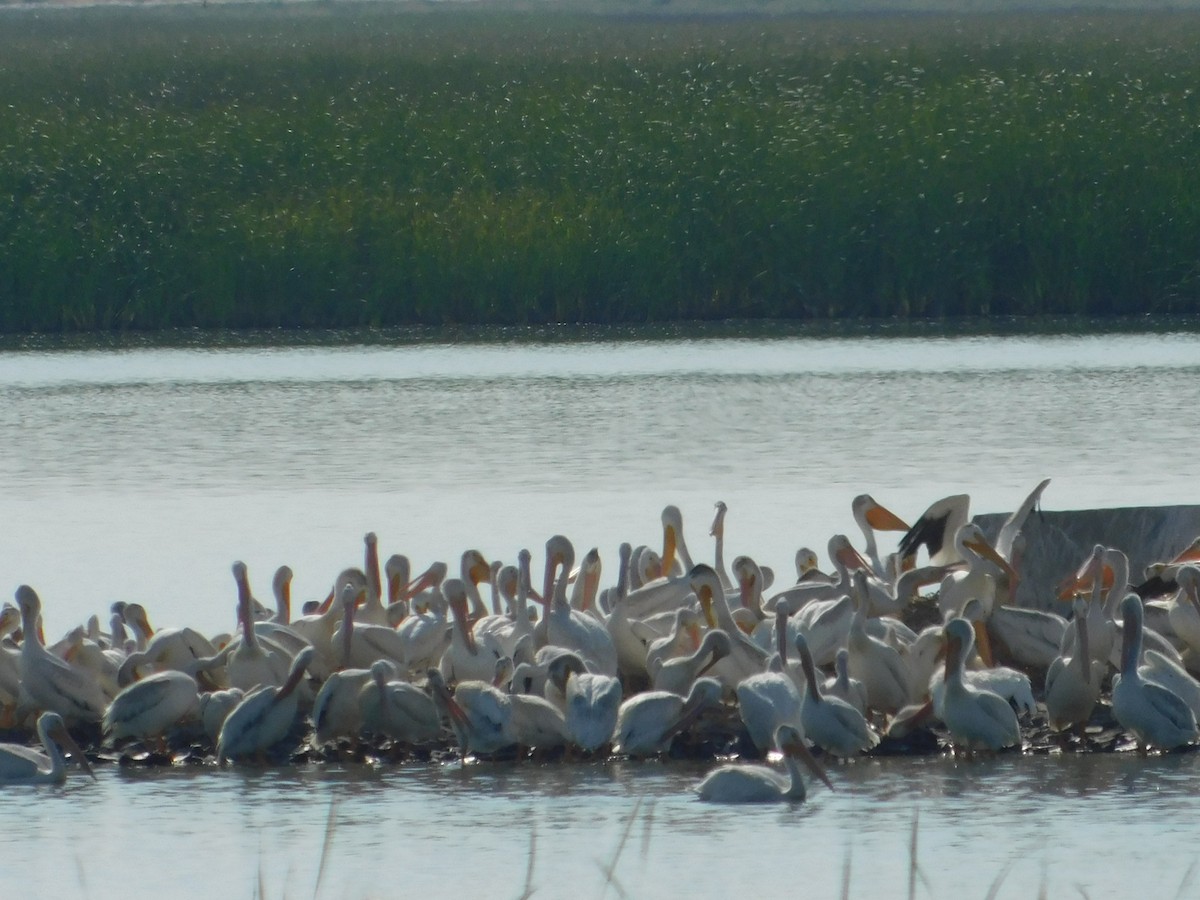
<point>142,474</point>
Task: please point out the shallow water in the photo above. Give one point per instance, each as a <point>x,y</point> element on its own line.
<point>141,474</point>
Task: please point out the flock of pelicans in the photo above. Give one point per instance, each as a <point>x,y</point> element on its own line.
<point>826,662</point>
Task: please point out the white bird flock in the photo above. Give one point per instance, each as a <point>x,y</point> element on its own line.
<point>727,663</point>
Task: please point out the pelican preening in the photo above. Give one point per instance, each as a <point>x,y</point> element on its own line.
<point>623,664</point>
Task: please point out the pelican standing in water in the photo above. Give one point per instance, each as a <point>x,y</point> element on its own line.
<point>761,784</point>
<point>24,765</point>
<point>977,719</point>
<point>1156,716</point>
<point>647,722</point>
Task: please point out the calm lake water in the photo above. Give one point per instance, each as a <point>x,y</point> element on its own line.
<point>142,474</point>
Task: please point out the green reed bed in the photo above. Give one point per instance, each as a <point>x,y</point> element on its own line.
<point>327,164</point>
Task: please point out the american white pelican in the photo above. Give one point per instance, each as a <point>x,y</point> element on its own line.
<point>398,709</point>
<point>673,542</point>
<point>979,580</point>
<point>1185,609</point>
<point>464,659</point>
<point>252,661</point>
<point>717,533</point>
<point>678,673</point>
<point>1156,717</point>
<point>317,628</point>
<point>877,664</point>
<point>337,709</point>
<point>586,585</point>
<point>1073,682</point>
<point>361,644</point>
<point>977,719</point>
<point>426,632</point>
<point>47,682</point>
<point>166,648</point>
<point>647,722</point>
<point>745,657</point>
<point>871,517</point>
<point>215,708</point>
<point>24,765</point>
<point>503,631</point>
<point>591,702</point>
<point>830,722</point>
<point>566,627</point>
<point>682,640</point>
<point>842,685</point>
<point>146,709</point>
<point>748,783</point>
<point>281,587</point>
<point>479,713</point>
<point>935,531</point>
<point>771,698</point>
<point>372,611</point>
<point>264,717</point>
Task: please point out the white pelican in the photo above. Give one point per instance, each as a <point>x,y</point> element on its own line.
<point>979,580</point>
<point>337,709</point>
<point>683,639</point>
<point>569,628</point>
<point>977,719</point>
<point>361,644</point>
<point>398,709</point>
<point>1185,610</point>
<point>215,708</point>
<point>586,585</point>
<point>1073,682</point>
<point>23,765</point>
<point>591,702</point>
<point>745,657</point>
<point>678,673</point>
<point>717,533</point>
<point>264,717</point>
<point>426,632</point>
<point>760,784</point>
<point>673,543</point>
<point>146,709</point>
<point>830,722</point>
<point>372,611</point>
<point>770,698</point>
<point>166,648</point>
<point>479,713</point>
<point>252,661</point>
<point>464,659</point>
<point>871,517</point>
<point>47,682</point>
<point>505,630</point>
<point>1156,716</point>
<point>842,685</point>
<point>877,664</point>
<point>935,531</point>
<point>647,722</point>
<point>318,627</point>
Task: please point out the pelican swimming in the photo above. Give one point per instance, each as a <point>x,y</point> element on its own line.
<point>24,765</point>
<point>748,783</point>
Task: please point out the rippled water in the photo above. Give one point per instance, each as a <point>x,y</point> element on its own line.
<point>142,474</point>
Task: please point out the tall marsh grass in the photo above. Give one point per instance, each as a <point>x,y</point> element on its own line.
<point>334,164</point>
